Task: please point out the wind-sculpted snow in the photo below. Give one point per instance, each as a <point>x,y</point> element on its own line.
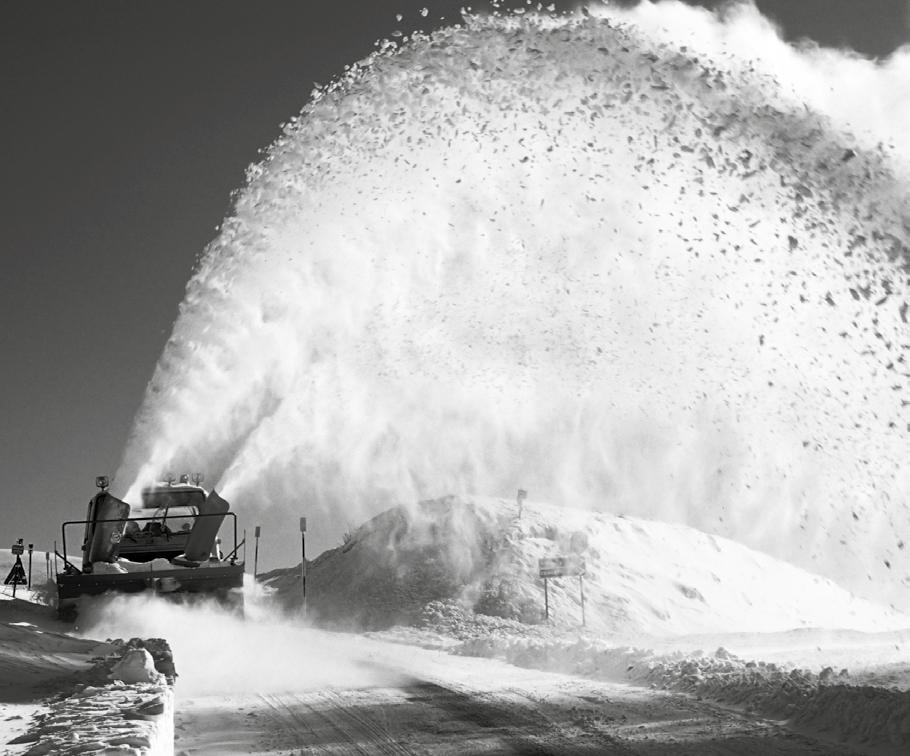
<point>569,255</point>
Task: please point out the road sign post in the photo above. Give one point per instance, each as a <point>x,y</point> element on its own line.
<point>256,553</point>
<point>562,566</point>
<point>303,561</point>
<point>17,574</point>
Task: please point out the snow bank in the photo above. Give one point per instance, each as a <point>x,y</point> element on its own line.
<point>667,579</point>
<point>136,666</point>
<point>642,576</point>
<point>117,718</point>
<point>824,702</point>
<point>118,701</point>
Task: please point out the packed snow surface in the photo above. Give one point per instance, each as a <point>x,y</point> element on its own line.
<point>218,654</point>
<point>633,260</point>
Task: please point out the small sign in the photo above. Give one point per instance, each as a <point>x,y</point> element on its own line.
<point>16,575</point>
<point>303,524</point>
<point>561,566</point>
<point>18,548</point>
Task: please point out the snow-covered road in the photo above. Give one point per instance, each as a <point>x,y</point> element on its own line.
<point>431,702</point>
<point>268,683</point>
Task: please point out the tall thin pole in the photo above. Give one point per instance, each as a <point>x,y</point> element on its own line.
<point>256,554</point>
<point>546,601</point>
<point>17,550</point>
<point>30,547</point>
<point>303,560</point>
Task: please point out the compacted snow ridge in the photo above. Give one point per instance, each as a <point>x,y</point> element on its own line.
<point>80,696</point>
<point>135,718</point>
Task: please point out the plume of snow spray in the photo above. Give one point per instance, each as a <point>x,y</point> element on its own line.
<point>622,267</point>
<point>218,652</point>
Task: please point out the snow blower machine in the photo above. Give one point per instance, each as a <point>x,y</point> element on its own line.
<point>169,545</point>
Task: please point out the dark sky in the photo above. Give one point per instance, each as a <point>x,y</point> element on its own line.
<point>124,128</point>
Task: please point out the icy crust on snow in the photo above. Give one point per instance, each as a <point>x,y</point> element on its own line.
<point>642,576</point>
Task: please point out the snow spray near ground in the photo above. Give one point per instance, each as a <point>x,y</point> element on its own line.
<point>218,652</point>
<point>577,255</point>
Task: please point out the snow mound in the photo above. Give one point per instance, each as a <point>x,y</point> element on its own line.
<point>641,576</point>
<point>136,666</point>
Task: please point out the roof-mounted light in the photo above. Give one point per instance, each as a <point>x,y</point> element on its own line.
<point>102,482</point>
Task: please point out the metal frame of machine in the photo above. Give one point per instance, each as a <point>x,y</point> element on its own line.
<point>213,576</point>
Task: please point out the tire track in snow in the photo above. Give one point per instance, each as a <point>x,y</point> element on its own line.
<point>355,733</point>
